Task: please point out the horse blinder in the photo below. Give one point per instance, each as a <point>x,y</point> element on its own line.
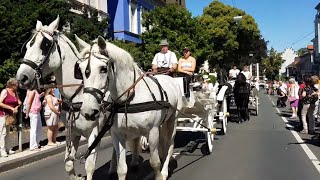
<point>77,71</point>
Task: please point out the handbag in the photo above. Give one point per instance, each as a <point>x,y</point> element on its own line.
<point>292,98</point>
<point>10,120</point>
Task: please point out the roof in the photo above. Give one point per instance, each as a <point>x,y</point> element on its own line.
<point>317,7</point>
<point>310,47</point>
<point>294,64</point>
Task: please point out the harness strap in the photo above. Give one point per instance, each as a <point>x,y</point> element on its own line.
<point>159,86</point>
<point>140,107</point>
<point>29,63</point>
<point>97,140</point>
<point>94,92</point>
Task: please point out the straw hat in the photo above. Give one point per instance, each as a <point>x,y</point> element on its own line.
<point>164,42</point>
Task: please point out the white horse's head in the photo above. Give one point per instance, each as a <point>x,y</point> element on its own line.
<point>94,70</point>
<point>42,55</point>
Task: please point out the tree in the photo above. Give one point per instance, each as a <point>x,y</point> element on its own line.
<point>18,19</point>
<point>272,64</point>
<point>226,41</point>
<point>135,51</point>
<point>173,23</point>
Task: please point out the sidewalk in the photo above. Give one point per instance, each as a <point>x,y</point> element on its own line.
<point>18,159</point>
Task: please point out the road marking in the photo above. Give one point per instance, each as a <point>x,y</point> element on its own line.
<point>273,103</point>
<point>305,148</point>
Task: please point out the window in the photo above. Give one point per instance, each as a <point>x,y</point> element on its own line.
<point>133,13</point>
<point>143,29</point>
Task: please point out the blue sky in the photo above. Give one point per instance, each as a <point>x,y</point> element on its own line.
<point>281,22</point>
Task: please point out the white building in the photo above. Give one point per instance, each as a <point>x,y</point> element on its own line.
<point>288,56</point>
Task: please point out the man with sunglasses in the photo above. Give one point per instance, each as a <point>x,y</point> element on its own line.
<point>165,61</point>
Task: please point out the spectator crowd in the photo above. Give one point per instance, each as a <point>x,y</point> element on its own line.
<point>303,97</point>
<point>36,106</point>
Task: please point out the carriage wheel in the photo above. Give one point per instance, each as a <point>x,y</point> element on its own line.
<point>207,148</point>
<point>225,113</point>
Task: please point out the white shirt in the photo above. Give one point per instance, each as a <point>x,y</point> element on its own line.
<point>47,110</point>
<point>247,74</point>
<point>234,73</point>
<point>165,60</point>
<point>283,88</point>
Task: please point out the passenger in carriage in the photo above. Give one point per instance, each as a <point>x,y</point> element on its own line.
<point>233,73</point>
<point>165,60</point>
<point>186,67</point>
<point>241,95</point>
<point>245,71</point>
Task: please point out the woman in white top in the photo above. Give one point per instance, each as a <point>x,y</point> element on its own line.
<point>294,97</point>
<point>246,73</point>
<point>51,113</point>
<point>186,66</point>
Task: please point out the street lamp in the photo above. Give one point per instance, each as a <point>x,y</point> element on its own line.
<point>237,18</point>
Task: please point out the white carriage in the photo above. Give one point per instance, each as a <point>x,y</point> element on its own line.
<point>206,109</point>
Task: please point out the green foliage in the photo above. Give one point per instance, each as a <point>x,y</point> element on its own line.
<point>173,23</point>
<point>135,51</point>
<point>272,64</point>
<point>19,18</point>
<point>225,42</point>
<point>212,79</point>
<point>7,70</point>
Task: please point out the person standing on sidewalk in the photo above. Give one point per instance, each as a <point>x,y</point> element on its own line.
<point>309,97</point>
<point>9,104</point>
<point>33,112</point>
<point>293,97</point>
<point>51,114</point>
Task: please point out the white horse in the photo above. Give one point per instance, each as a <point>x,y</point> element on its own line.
<point>116,74</point>
<point>51,51</point>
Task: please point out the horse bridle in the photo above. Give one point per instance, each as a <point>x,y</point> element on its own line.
<point>37,67</point>
<point>96,93</point>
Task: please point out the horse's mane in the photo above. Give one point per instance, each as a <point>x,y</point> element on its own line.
<point>120,55</point>
<point>70,43</point>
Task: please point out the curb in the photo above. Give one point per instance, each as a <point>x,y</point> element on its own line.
<point>28,159</point>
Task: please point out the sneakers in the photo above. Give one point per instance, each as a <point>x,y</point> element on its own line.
<point>3,153</point>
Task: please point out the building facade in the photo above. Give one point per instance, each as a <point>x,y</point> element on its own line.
<point>179,2</point>
<point>125,18</point>
<point>317,32</point>
<point>304,64</point>
<point>100,5</point>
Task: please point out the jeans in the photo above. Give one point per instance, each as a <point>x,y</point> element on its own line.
<point>282,101</point>
<point>307,111</point>
<point>35,130</point>
<point>4,130</point>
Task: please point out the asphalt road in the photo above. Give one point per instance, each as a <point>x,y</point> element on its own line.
<point>261,149</point>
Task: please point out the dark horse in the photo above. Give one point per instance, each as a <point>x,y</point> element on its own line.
<point>241,94</point>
